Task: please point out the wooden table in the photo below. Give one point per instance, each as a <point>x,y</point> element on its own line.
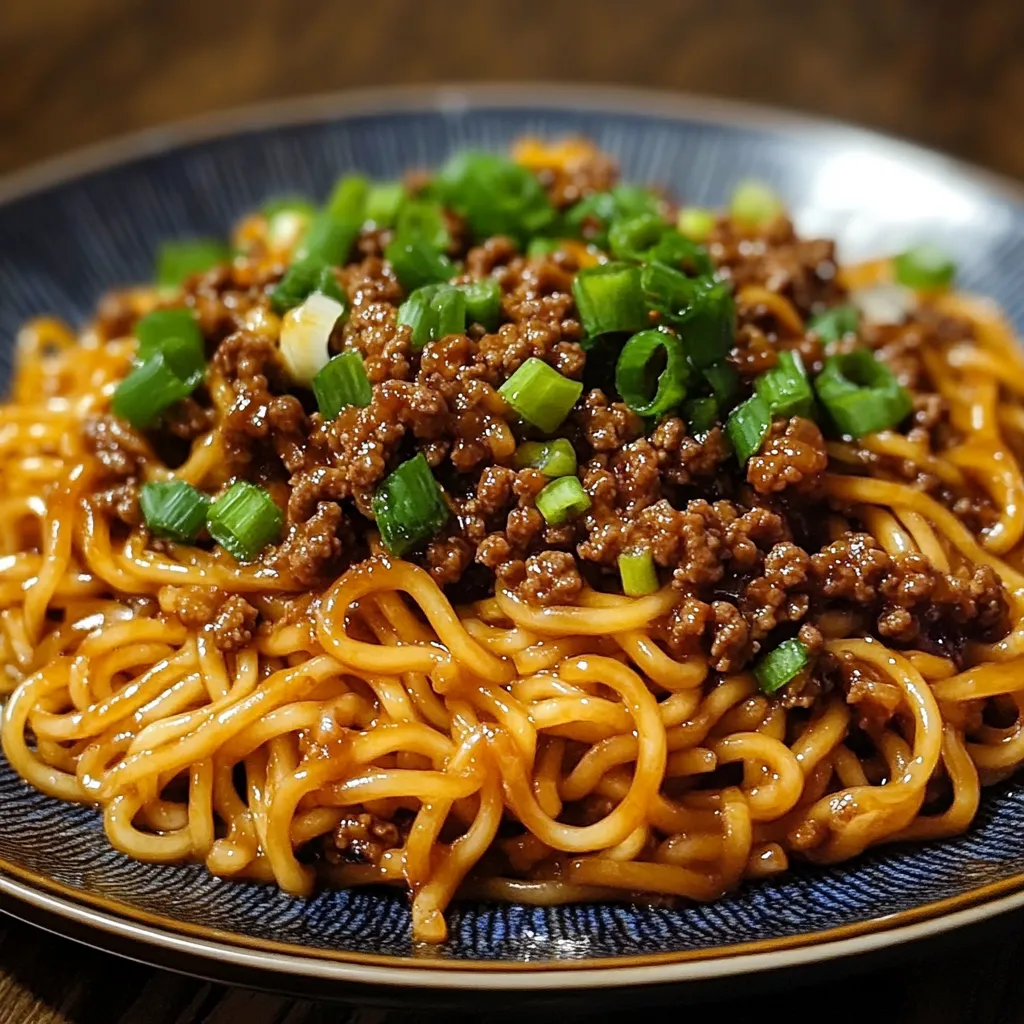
<point>946,72</point>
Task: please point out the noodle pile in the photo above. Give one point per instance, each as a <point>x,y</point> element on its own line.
<point>487,726</point>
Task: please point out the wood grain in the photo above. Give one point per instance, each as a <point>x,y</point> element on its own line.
<point>945,72</point>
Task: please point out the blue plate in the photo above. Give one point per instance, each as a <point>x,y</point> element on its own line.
<point>76,227</point>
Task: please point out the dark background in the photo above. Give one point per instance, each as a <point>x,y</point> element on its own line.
<point>948,73</point>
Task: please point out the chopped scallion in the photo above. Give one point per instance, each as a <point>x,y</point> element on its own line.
<point>347,201</point>
<point>483,302</point>
<point>925,267</point>
<point>835,323</point>
<point>158,329</point>
<point>562,499</point>
<point>540,394</point>
<point>244,520</point>
<point>329,239</point>
<point>860,394</point>
<point>701,414</point>
<point>409,506</point>
<point>633,237</point>
<point>781,665</point>
<point>754,204</point>
<point>305,276</point>
<point>785,386</point>
<point>696,223</point>
<point>552,458</point>
<point>173,509</point>
<point>747,427</point>
<point>177,260</point>
<point>287,220</point>
<point>166,377</point>
<point>423,220</point>
<point>495,196</point>
<point>639,576</point>
<point>647,389</point>
<point>417,263</point>
<point>448,307</point>
<point>609,299</point>
<point>341,383</point>
<point>724,381</point>
<point>384,203</point>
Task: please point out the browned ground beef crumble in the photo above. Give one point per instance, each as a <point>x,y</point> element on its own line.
<point>750,555</point>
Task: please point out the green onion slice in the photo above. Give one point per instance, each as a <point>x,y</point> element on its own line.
<point>423,219</point>
<point>173,509</point>
<point>861,394</point>
<point>609,299</point>
<point>754,204</point>
<point>417,263</point>
<point>154,386</point>
<point>347,201</point>
<point>925,267</point>
<point>636,375</point>
<point>639,576</point>
<point>785,387</point>
<point>448,308</point>
<point>329,239</point>
<point>633,237</point>
<point>562,499</point>
<point>305,276</point>
<point>384,203</point>
<point>409,506</point>
<point>747,427</point>
<point>288,217</point>
<point>553,458</point>
<point>540,394</point>
<point>495,195</point>
<point>701,414</point>
<point>416,314</point>
<point>539,247</point>
<point>177,260</point>
<point>483,302</point>
<point>341,383</point>
<point>724,381</point>
<point>676,250</point>
<point>695,223</point>
<point>244,520</point>
<point>835,323</point>
<point>157,330</point>
<point>781,665</point>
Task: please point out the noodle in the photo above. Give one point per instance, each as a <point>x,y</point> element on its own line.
<point>372,727</point>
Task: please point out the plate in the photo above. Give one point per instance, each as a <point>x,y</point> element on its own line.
<point>77,226</point>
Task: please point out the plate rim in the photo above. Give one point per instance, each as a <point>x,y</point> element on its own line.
<point>155,931</point>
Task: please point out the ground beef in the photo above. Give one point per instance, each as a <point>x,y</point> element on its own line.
<point>551,577</point>
<point>234,624</point>
<point>187,420</point>
<point>911,601</point>
<point>362,838</point>
<point>229,618</point>
<point>793,455</point>
<point>605,425</point>
<point>803,270</point>
<point>312,552</point>
<point>120,501</point>
<point>120,450</point>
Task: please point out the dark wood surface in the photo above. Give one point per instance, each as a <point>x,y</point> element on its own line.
<point>949,73</point>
